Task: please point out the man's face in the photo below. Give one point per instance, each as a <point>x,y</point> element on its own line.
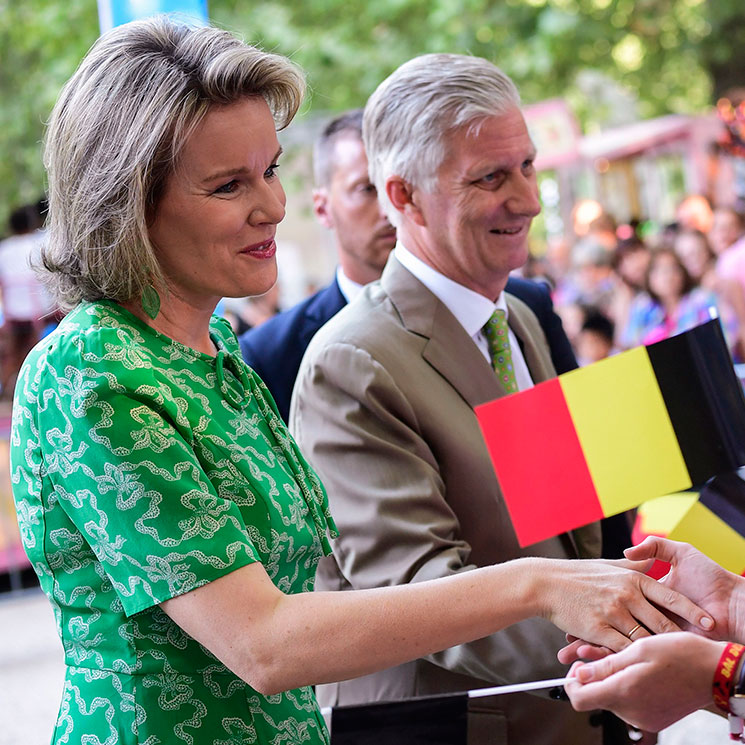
<point>474,225</point>
<point>349,206</point>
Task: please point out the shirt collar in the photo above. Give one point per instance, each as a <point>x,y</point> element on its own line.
<point>471,309</point>
<point>348,287</point>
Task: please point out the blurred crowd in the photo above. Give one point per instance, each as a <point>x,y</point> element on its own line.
<point>26,312</point>
<point>615,288</point>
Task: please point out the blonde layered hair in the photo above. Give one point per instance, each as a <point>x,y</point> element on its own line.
<point>115,135</point>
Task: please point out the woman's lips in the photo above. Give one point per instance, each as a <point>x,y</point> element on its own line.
<point>264,250</point>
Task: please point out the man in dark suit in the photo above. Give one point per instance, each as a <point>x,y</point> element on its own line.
<point>345,202</point>
<point>384,401</point>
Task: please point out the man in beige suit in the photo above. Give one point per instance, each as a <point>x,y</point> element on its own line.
<point>383,406</point>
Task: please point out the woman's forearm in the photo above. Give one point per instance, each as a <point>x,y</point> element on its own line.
<point>276,642</point>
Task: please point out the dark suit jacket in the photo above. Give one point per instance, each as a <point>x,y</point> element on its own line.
<point>275,348</point>
<point>536,296</point>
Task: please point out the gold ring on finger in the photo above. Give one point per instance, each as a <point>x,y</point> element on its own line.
<point>633,631</point>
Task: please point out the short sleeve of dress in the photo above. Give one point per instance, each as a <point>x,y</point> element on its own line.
<point>115,451</point>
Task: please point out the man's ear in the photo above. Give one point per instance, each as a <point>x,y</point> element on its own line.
<point>321,207</point>
<point>403,197</point>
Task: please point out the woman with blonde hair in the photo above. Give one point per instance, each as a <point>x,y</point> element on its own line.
<point>172,520</point>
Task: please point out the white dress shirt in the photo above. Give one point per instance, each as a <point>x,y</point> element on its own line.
<point>471,309</point>
<point>349,288</point>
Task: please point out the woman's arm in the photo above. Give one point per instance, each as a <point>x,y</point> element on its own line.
<point>276,642</point>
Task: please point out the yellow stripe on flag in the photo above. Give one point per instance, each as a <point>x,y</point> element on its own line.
<point>625,431</point>
<point>660,516</point>
<point>710,534</point>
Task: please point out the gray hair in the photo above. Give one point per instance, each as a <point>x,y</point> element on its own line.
<point>412,111</point>
<point>115,136</point>
<point>348,123</point>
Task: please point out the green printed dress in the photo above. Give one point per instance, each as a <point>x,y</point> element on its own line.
<point>142,469</point>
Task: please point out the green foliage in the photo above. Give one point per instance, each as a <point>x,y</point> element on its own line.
<point>41,44</point>
<point>662,56</point>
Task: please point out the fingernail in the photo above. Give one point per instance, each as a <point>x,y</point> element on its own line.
<point>706,623</point>
<point>585,674</point>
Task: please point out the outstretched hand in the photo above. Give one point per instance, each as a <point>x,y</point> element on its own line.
<point>698,578</point>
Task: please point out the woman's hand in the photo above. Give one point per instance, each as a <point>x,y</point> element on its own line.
<point>609,605</point>
<point>650,684</point>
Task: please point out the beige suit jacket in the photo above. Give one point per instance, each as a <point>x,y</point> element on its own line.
<point>383,408</point>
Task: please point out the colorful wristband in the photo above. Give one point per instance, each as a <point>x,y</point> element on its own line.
<point>723,686</point>
<point>740,682</point>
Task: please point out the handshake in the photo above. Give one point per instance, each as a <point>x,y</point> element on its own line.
<point>654,680</point>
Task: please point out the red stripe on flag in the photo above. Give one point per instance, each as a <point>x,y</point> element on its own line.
<point>539,463</point>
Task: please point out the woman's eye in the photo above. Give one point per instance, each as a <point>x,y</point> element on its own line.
<point>271,172</point>
<point>228,188</point>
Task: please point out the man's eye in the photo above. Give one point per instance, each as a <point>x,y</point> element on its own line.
<point>491,179</point>
<point>228,188</point>
<point>528,166</point>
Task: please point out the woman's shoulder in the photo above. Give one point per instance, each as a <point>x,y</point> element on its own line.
<point>92,335</point>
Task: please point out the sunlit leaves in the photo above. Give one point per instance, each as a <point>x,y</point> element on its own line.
<point>640,57</point>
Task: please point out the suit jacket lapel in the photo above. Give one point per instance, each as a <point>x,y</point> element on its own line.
<point>326,303</point>
<point>452,352</point>
<point>447,346</point>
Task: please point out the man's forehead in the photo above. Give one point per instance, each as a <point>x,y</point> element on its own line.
<point>349,156</point>
<point>501,136</point>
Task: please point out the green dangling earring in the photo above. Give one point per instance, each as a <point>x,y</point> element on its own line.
<point>150,301</point>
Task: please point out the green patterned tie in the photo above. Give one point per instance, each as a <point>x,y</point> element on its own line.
<point>497,337</point>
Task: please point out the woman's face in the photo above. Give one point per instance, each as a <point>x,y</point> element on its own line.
<point>725,230</point>
<point>665,277</point>
<point>633,267</point>
<point>214,227</point>
<point>693,253</point>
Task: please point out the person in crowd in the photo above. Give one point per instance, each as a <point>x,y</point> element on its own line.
<point>694,250</point>
<point>700,261</point>
<point>727,239</point>
<point>591,280</point>
<point>694,213</point>
<point>25,304</point>
<point>658,680</point>
<point>595,340</point>
<point>384,400</point>
<point>172,520</point>
<point>603,229</point>
<point>630,262</point>
<point>672,303</point>
<point>727,228</point>
<point>345,202</point>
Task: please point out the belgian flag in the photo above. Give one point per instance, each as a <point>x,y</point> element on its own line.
<point>712,520</point>
<point>604,438</point>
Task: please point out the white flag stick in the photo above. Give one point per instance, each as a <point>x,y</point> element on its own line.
<point>533,685</point>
